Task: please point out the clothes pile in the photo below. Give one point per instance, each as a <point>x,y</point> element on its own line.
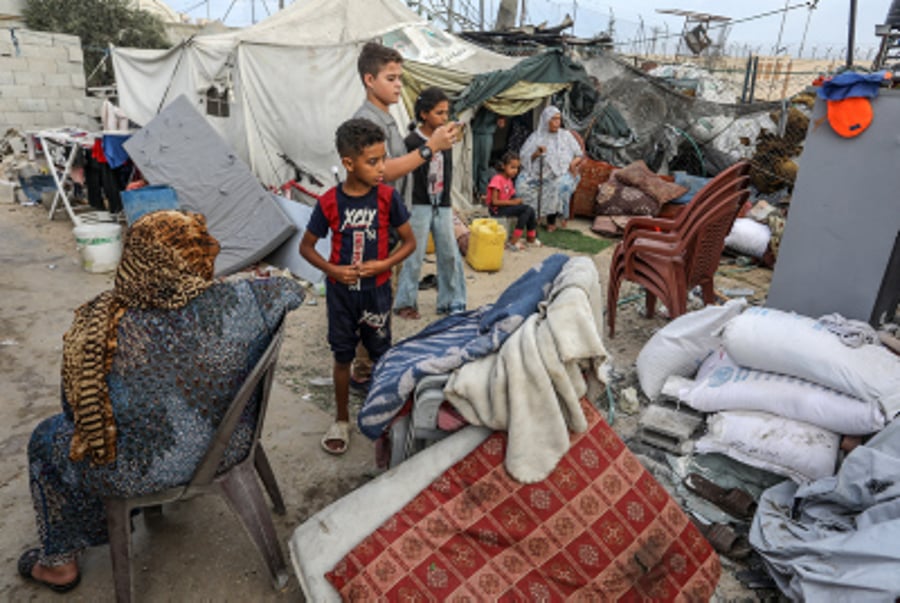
<point>539,345</point>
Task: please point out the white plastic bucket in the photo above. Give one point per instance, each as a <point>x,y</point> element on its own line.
<point>100,245</point>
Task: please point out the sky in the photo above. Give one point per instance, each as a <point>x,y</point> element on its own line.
<point>826,26</point>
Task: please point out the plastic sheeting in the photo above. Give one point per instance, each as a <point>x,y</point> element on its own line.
<point>838,538</point>
<point>666,122</point>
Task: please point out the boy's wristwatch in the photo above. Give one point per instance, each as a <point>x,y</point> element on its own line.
<point>425,152</point>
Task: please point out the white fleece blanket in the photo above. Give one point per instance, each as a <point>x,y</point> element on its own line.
<point>531,387</point>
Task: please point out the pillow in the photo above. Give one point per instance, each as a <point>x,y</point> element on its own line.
<point>616,199</point>
<point>609,226</point>
<point>593,174</point>
<point>637,174</point>
<point>694,184</point>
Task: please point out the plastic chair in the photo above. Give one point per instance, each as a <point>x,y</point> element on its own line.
<point>669,268</point>
<point>237,485</point>
<point>730,180</point>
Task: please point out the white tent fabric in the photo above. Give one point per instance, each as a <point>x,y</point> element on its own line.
<point>290,80</point>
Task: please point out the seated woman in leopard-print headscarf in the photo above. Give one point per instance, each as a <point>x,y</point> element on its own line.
<point>149,368</point>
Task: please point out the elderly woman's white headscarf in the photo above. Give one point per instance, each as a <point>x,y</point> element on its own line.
<point>562,147</point>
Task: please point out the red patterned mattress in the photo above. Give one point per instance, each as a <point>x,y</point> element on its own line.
<point>598,528</point>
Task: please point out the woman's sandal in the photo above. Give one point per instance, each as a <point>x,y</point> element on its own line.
<point>27,562</point>
<point>517,246</point>
<point>408,313</point>
<point>338,432</point>
<point>534,243</point>
<point>734,501</point>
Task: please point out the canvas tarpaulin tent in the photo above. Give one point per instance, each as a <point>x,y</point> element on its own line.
<point>289,80</point>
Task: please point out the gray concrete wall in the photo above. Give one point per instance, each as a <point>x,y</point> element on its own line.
<point>42,83</point>
<point>12,9</point>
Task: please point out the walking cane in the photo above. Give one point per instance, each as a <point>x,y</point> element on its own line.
<point>540,185</point>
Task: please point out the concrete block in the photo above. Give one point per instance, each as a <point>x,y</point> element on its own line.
<point>7,191</point>
<point>53,53</point>
<point>61,105</point>
<point>19,120</point>
<point>78,80</point>
<point>42,65</point>
<point>6,79</point>
<point>668,429</point>
<point>74,119</point>
<point>26,78</point>
<point>54,120</point>
<point>16,91</point>
<point>50,92</point>
<point>33,48</point>
<point>33,105</point>
<point>66,40</point>
<point>58,80</point>
<point>75,54</point>
<point>12,63</point>
<point>7,105</point>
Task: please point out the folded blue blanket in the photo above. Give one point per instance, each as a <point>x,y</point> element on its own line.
<point>447,344</point>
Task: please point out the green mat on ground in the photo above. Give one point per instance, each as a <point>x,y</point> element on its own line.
<point>573,240</point>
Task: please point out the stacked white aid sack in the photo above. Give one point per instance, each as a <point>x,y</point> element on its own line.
<point>795,449</point>
<point>680,347</point>
<point>780,342</point>
<point>724,385</point>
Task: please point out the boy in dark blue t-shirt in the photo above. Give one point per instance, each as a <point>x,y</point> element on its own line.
<point>358,213</point>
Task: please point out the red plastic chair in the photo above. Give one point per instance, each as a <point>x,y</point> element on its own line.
<point>669,266</point>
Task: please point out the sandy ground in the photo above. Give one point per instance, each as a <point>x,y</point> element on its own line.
<point>198,551</point>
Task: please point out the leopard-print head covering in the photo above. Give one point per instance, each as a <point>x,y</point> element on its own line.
<point>167,261</point>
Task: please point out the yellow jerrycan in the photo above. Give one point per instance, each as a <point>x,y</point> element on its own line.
<point>486,240</point>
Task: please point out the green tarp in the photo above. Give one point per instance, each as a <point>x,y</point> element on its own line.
<point>551,67</point>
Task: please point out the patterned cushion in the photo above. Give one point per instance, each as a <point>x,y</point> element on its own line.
<point>637,174</point>
<point>616,199</point>
<point>598,528</point>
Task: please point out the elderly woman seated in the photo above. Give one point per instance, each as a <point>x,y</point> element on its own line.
<point>550,169</point>
<point>149,369</point>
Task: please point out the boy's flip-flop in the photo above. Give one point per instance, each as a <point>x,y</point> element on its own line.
<point>27,562</point>
<point>338,432</point>
<point>408,313</point>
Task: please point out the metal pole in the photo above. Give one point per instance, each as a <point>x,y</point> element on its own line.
<point>851,34</point>
<point>450,16</point>
<point>280,4</point>
<point>540,185</point>
<point>481,15</point>
<point>781,30</point>
<point>753,77</point>
<point>746,79</point>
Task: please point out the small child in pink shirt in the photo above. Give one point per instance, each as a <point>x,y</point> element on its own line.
<point>501,201</point>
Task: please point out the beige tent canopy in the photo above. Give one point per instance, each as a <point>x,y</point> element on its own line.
<point>286,83</point>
